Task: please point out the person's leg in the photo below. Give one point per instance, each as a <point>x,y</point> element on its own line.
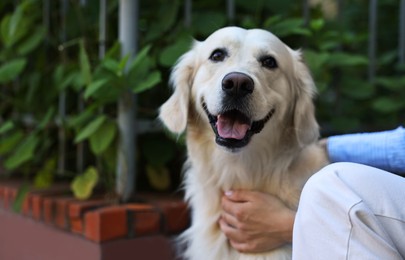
<point>351,211</point>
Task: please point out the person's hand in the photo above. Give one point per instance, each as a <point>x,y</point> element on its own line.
<point>254,221</point>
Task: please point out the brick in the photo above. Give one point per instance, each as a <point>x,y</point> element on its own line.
<point>27,205</point>
<point>106,224</point>
<point>1,196</point>
<point>37,206</point>
<point>48,210</point>
<point>176,215</point>
<point>62,212</point>
<point>144,220</point>
<point>77,210</point>
<point>10,194</point>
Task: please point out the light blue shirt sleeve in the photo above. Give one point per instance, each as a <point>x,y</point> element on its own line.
<point>385,150</point>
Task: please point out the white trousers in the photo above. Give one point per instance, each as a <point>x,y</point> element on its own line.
<point>351,211</point>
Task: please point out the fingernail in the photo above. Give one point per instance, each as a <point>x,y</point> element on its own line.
<point>228,193</point>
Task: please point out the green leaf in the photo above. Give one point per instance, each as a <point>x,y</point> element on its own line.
<point>11,69</point>
<point>32,42</point>
<point>340,59</point>
<point>112,66</point>
<point>84,64</point>
<point>286,27</point>
<point>114,51</point>
<point>23,153</point>
<point>103,137</point>
<point>171,53</point>
<point>317,24</point>
<point>45,120</point>
<point>44,177</point>
<point>94,87</point>
<point>150,81</point>
<point>20,197</point>
<point>79,119</point>
<point>357,89</point>
<point>139,59</point>
<point>388,105</point>
<point>83,185</point>
<point>5,23</point>
<point>90,129</point>
<point>10,142</point>
<point>159,177</point>
<point>123,63</point>
<point>7,126</point>
<point>392,83</point>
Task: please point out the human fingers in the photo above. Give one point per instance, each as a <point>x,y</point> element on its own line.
<point>230,231</point>
<point>239,195</point>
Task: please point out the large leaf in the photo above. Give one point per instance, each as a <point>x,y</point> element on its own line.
<point>32,42</point>
<point>10,142</point>
<point>44,177</point>
<point>6,126</point>
<point>357,89</point>
<point>288,27</point>
<point>388,105</point>
<point>340,59</point>
<point>83,185</point>
<point>171,53</point>
<point>103,137</point>
<point>90,129</point>
<point>392,83</point>
<point>11,69</point>
<point>23,153</point>
<point>84,64</point>
<point>150,81</point>
<point>46,119</point>
<point>138,61</point>
<point>159,177</point>
<point>94,87</point>
<point>20,197</point>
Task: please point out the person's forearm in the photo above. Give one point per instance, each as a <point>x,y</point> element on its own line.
<point>385,150</point>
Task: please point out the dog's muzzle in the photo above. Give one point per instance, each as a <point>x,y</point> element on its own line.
<point>233,127</point>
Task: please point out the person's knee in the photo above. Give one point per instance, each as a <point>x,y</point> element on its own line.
<point>317,184</point>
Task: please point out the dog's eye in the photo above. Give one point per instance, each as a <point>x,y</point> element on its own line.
<point>269,62</point>
<point>218,55</point>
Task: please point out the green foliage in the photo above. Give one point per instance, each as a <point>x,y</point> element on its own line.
<point>39,73</point>
<point>82,186</point>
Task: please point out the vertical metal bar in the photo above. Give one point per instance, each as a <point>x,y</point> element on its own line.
<point>80,154</point>
<point>401,47</point>
<point>128,25</point>
<point>306,12</point>
<point>230,10</point>
<point>188,6</point>
<point>372,39</point>
<point>102,28</point>
<point>62,97</point>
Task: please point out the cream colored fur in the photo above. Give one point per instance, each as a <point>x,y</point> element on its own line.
<point>278,160</point>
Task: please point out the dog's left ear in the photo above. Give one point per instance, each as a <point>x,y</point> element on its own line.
<point>174,112</point>
<point>305,125</point>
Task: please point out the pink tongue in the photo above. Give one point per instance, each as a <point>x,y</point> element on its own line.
<point>229,128</point>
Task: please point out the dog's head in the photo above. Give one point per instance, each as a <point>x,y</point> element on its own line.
<point>239,82</point>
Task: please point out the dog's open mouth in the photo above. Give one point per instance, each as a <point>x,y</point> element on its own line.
<point>234,129</point>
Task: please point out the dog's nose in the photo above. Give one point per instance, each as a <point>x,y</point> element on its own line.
<point>237,84</point>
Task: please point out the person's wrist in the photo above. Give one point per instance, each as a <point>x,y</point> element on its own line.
<point>289,225</point>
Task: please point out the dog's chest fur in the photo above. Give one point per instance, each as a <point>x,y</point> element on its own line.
<point>213,170</point>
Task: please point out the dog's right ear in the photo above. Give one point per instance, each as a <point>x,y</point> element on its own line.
<point>174,112</point>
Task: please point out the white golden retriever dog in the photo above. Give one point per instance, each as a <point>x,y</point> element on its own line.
<point>245,99</point>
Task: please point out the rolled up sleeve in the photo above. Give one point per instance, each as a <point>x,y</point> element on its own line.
<point>385,150</point>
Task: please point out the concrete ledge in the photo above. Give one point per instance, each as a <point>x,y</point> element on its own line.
<point>23,238</point>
